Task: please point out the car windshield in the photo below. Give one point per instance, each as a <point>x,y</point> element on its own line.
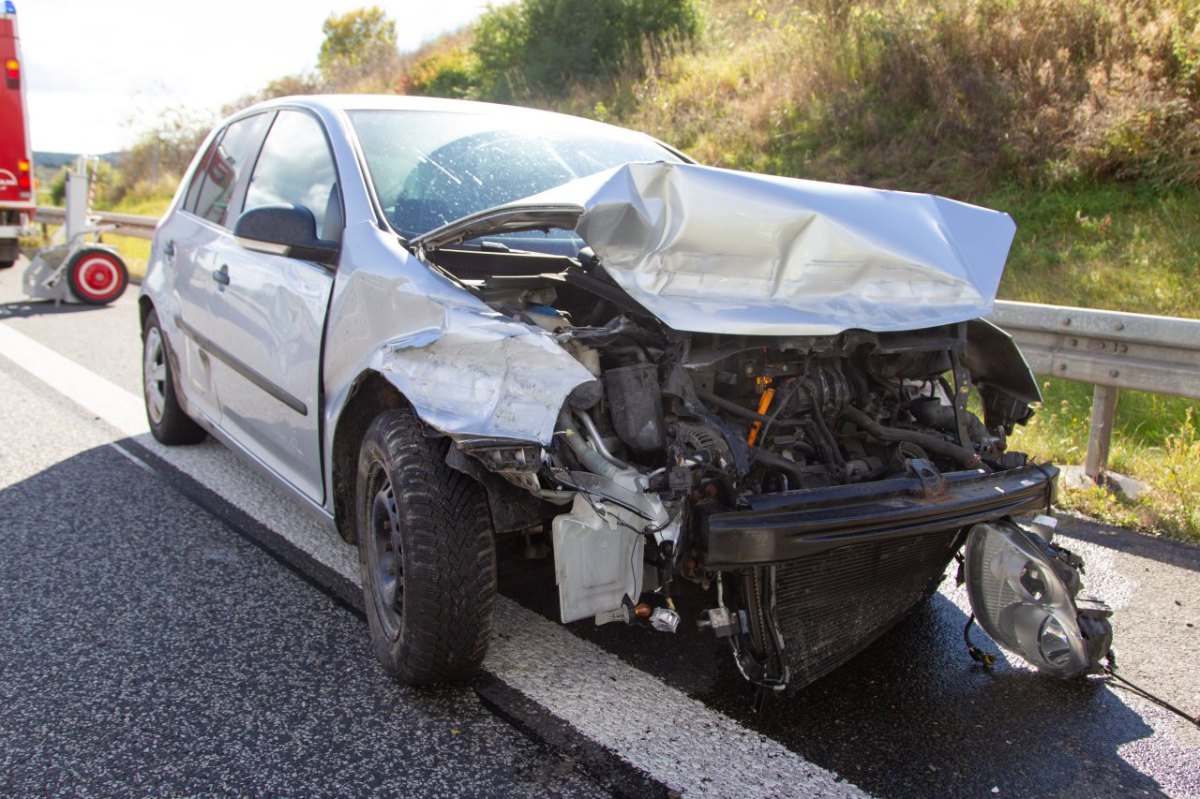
<point>433,167</point>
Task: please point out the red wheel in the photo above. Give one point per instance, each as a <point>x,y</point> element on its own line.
<point>97,277</point>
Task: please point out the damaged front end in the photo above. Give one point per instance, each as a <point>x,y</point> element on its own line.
<point>813,465</point>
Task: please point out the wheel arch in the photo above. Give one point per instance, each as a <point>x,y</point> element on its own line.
<point>371,394</point>
<point>145,306</point>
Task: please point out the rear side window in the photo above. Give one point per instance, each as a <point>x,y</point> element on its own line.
<point>193,193</point>
<point>223,168</point>
<point>296,168</point>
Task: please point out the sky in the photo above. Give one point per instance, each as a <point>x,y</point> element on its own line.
<point>101,72</point>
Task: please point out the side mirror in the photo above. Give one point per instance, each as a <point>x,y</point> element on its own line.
<point>287,230</point>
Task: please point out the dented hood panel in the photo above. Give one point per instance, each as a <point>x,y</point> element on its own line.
<point>720,251</point>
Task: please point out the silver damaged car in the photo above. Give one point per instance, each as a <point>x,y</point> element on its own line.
<point>438,323</point>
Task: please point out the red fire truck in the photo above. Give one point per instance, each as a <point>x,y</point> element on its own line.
<point>17,202</point>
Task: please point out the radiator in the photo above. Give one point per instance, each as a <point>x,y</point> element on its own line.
<point>831,606</point>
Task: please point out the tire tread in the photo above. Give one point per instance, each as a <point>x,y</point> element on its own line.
<point>449,556</point>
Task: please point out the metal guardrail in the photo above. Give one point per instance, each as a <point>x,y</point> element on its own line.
<point>1109,349</point>
<point>141,227</point>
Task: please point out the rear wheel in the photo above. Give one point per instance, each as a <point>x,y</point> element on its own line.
<point>426,551</point>
<point>97,277</point>
<point>9,251</point>
<point>168,421</point>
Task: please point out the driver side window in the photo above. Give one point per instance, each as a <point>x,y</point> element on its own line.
<point>296,168</point>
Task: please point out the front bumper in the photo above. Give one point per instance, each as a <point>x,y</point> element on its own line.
<point>778,528</point>
<point>825,572</point>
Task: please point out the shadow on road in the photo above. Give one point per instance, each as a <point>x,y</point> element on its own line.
<point>28,308</point>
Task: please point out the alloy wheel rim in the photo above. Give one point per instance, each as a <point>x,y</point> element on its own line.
<point>154,375</point>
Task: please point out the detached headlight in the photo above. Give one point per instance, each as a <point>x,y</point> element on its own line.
<point>1025,592</point>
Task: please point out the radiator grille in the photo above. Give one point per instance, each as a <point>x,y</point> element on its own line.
<point>833,605</point>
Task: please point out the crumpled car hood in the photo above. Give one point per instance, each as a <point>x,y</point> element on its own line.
<point>719,251</point>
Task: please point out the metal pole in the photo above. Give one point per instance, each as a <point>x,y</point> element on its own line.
<point>1104,411</point>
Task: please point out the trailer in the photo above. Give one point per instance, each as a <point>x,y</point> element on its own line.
<point>17,201</point>
<point>77,266</point>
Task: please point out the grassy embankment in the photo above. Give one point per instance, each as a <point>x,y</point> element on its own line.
<point>1079,118</point>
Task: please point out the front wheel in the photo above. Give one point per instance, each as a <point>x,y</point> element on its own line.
<point>97,277</point>
<point>427,554</point>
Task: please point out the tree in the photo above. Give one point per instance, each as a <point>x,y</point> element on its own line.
<point>357,44</point>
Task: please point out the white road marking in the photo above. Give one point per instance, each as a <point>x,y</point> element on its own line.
<point>677,740</point>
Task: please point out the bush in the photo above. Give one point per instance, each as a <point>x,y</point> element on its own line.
<point>102,177</point>
<point>445,73</point>
<point>545,47</point>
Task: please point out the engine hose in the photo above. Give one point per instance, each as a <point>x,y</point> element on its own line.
<point>964,457</point>
<point>598,441</point>
<point>790,468</point>
<point>732,407</point>
<point>593,461</point>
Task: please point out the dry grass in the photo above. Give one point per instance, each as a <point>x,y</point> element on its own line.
<point>947,95</point>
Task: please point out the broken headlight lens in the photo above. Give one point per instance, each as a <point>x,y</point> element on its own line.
<point>1024,594</point>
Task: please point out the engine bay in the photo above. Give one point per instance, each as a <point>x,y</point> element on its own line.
<point>678,429</point>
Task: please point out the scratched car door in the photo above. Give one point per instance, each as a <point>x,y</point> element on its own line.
<point>268,316</point>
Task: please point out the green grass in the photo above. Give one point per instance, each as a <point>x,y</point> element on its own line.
<point>155,205</point>
<point>1154,439</point>
<point>135,253</point>
<point>1116,246</point>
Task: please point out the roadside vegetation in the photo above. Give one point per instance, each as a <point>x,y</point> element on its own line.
<point>1080,118</point>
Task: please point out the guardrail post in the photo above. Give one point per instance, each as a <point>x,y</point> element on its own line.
<point>1104,411</point>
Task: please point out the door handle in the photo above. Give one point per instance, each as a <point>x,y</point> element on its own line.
<point>169,250</point>
<point>221,275</point>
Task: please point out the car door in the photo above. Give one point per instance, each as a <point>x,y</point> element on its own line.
<point>268,311</point>
<point>191,238</point>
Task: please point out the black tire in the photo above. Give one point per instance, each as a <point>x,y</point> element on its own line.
<point>168,421</point>
<point>96,276</point>
<point>10,252</point>
<point>427,553</point>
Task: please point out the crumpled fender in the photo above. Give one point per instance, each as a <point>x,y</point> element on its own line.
<point>481,374</point>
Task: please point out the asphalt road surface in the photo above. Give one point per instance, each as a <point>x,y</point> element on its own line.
<point>172,625</point>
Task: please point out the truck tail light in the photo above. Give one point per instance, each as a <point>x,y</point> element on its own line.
<point>12,68</point>
<point>24,184</point>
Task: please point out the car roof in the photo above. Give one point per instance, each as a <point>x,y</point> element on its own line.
<point>340,103</point>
